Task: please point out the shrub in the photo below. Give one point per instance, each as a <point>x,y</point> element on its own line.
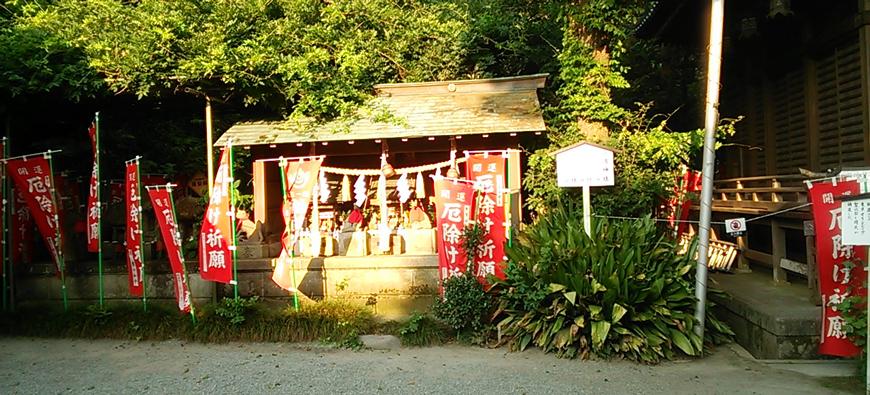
<point>465,304</point>
<point>625,292</point>
<point>422,330</point>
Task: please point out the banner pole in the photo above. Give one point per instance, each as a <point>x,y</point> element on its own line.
<point>141,247</point>
<point>58,235</point>
<point>232,188</point>
<point>283,166</point>
<point>183,264</point>
<point>5,223</point>
<point>509,224</point>
<point>99,206</point>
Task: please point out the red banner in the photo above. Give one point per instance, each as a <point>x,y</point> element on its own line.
<point>680,204</point>
<point>161,200</point>
<point>32,176</point>
<point>454,202</point>
<point>93,217</point>
<point>215,235</point>
<point>487,171</point>
<point>133,239</point>
<point>22,230</point>
<point>835,278</point>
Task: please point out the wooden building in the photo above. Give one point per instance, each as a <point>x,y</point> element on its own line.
<point>414,124</point>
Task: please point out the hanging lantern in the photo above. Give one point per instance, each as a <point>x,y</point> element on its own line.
<point>420,189</point>
<point>345,189</point>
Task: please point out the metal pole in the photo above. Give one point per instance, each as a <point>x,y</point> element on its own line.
<point>209,142</point>
<point>711,119</point>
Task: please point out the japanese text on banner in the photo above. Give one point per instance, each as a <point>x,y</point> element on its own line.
<point>165,213</point>
<point>215,235</point>
<point>133,238</point>
<point>32,176</point>
<point>488,173</point>
<point>453,207</point>
<point>836,276</point>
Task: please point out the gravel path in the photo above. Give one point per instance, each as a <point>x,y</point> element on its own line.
<point>47,366</point>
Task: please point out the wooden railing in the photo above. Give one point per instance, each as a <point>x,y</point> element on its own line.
<point>751,197</point>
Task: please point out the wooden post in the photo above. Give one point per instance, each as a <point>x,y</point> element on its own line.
<point>777,236</point>
<point>209,144</point>
<point>742,262</point>
<point>812,271</point>
<point>260,201</point>
<point>587,211</point>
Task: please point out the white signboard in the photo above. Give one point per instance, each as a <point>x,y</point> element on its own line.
<point>856,222</point>
<point>862,176</point>
<point>735,226</point>
<point>584,165</point>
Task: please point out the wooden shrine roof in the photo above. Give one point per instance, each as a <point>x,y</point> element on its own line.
<point>447,108</point>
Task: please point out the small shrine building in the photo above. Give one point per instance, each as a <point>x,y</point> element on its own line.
<point>415,129</point>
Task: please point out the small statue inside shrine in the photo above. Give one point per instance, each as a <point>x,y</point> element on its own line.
<point>417,217</point>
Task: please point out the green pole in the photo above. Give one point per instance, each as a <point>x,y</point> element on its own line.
<point>233,219</point>
<point>509,211</point>
<point>283,165</point>
<point>141,248</point>
<point>59,243</point>
<point>181,253</point>
<point>99,205</point>
<point>5,228</point>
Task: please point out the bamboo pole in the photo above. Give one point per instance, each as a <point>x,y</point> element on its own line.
<point>5,229</point>
<point>99,207</point>
<point>232,194</point>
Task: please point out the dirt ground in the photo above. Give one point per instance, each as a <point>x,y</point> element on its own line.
<point>47,366</point>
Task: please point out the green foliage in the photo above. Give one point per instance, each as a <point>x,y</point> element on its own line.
<point>333,322</point>
<point>624,293</point>
<point>464,307</point>
<point>648,158</point>
<point>422,330</point>
<point>465,304</point>
<point>236,310</point>
<point>854,313</point>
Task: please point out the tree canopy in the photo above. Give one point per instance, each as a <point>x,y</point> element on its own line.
<point>319,58</point>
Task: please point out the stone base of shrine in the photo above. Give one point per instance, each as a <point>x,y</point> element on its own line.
<point>394,286</point>
<point>771,321</point>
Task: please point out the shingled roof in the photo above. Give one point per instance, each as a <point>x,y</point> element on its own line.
<point>408,110</point>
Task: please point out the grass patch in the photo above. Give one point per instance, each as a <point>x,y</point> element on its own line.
<point>330,321</point>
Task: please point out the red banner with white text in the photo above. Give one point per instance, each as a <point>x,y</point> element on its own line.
<point>215,235</point>
<point>133,239</point>
<point>32,176</point>
<point>161,200</point>
<point>454,201</point>
<point>487,170</point>
<point>22,229</point>
<point>835,276</point>
<point>93,217</point>
<point>301,178</point>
